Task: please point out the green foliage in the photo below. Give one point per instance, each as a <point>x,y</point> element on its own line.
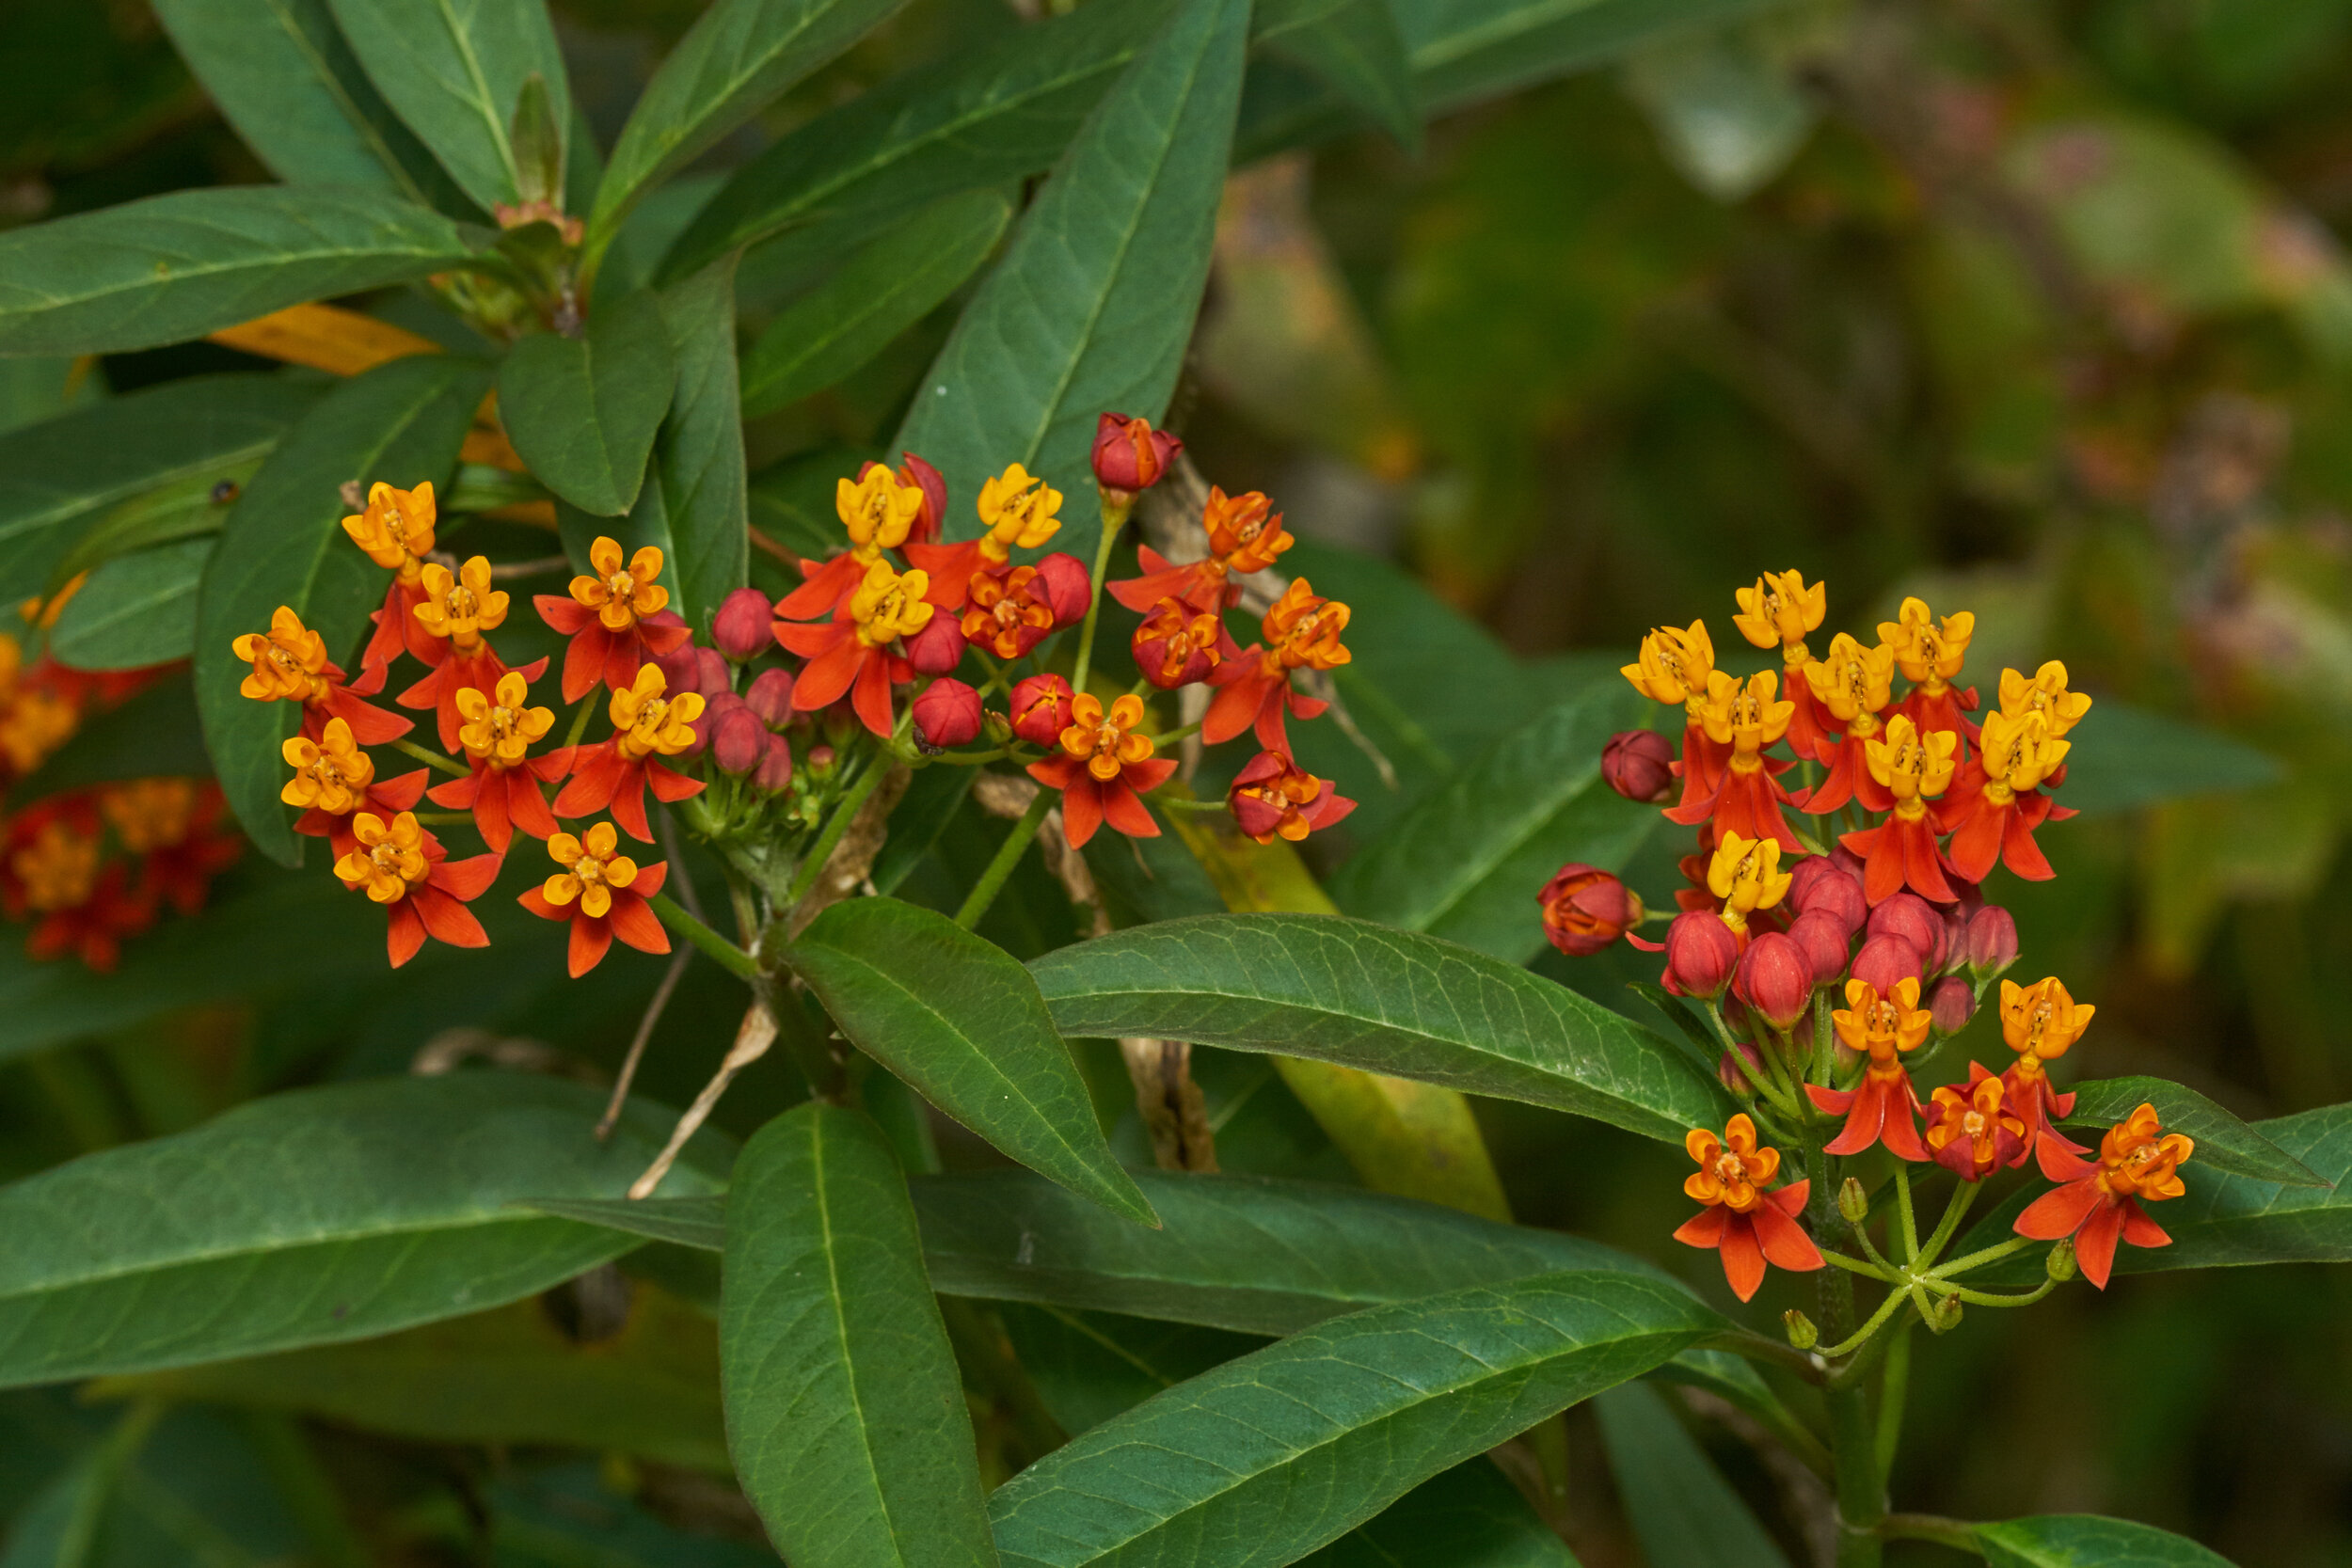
<point>1682,1508</point>
<point>2082,1539</point>
<point>2223,1142</point>
<point>582,411</point>
<point>698,455</point>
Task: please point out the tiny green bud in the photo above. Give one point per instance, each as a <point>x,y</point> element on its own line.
<point>999,727</point>
<point>1852,1202</point>
<point>1944,1315</point>
<point>2060,1263</point>
<point>1801,1332</point>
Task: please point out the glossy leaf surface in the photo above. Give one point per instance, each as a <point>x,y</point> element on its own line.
<point>2088,1541</point>
<point>582,411</point>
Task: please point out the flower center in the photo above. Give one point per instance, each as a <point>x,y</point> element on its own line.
<point>620,586</point>
<point>589,870</point>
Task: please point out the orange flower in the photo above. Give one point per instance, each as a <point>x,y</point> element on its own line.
<point>1272,796</point>
<point>2041,1023</point>
<point>1178,645</point>
<point>334,780</point>
<point>1881,1108</point>
<point>396,531</point>
<point>881,511</point>
<point>457,608</point>
<point>1851,687</point>
<point>602,894</point>
<point>2099,1205</point>
<point>170,824</point>
<point>1781,612</point>
<point>1741,718</point>
<point>647,727</point>
<point>1103,766</point>
<point>1747,1224</point>
<point>1246,535</point>
<point>290,665</point>
<point>1301,631</point>
<point>404,868</point>
<point>1996,803</point>
<point>503,791</point>
<point>1914,765</point>
<point>1008,614</point>
<point>1930,653</point>
<point>851,653</point>
<point>616,619</point>
<point>1972,1129</point>
<point>50,867</point>
<point>1017,511</point>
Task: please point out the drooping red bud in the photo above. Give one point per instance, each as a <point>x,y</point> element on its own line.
<point>1040,709</point>
<point>938,648</point>
<point>1586,909</point>
<point>1774,979</point>
<point>744,628</point>
<point>737,740</point>
<point>1826,943</point>
<point>1129,454</point>
<point>1886,960</point>
<point>771,696</point>
<point>1817,881</point>
<point>1065,585</point>
<point>1639,765</point>
<point>1991,944</point>
<point>1700,953</point>
<point>1951,1002</point>
<point>933,484</point>
<point>947,714</point>
<point>1913,919</point>
<point>775,766</point>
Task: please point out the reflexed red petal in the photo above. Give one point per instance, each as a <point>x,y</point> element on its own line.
<point>1704,1229</point>
<point>447,919</point>
<point>1081,809</point>
<point>536,902</point>
<point>583,660</point>
<point>670,785</point>
<point>1744,1260</point>
<point>405,935</point>
<point>466,878</point>
<point>591,939</point>
<point>828,675</point>
<point>1786,1245</point>
<point>563,612</point>
<point>870,695</point>
<point>2139,1229</point>
<point>2094,1243</point>
<point>2061,1210</point>
<point>633,921</point>
<point>1122,810</point>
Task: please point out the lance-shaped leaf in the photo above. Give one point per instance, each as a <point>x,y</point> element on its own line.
<point>281,72</point>
<point>65,477</point>
<point>1093,303</point>
<point>1468,1516</point>
<point>736,58</point>
<point>1354,45</point>
<point>582,411</point>
<point>1681,1508</point>
<point>2223,1142</point>
<point>845,1412</point>
<point>283,543</point>
<point>1464,864</point>
<point>1272,1455</point>
<point>454,71</point>
<point>698,456</point>
<point>310,1217</point>
<point>168,268</point>
<point>136,612</point>
<point>961,1020</point>
<point>2088,1541</point>
<point>699,1222</point>
<point>894,282</point>
<point>1387,1001</point>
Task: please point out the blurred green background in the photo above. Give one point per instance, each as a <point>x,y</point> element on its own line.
<point>2034,308</point>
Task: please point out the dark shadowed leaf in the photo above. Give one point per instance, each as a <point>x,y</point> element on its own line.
<point>1382,1000</point>
<point>961,1020</point>
<point>2088,1541</point>
<point>1465,1517</point>
<point>1272,1455</point>
<point>2126,756</point>
<point>845,1412</point>
<point>572,1517</point>
<point>182,1249</point>
<point>699,453</point>
<point>1681,1508</point>
<point>454,70</point>
<point>168,268</point>
<point>154,732</point>
<point>283,543</point>
<point>698,1222</point>
<point>2223,1142</point>
<point>1092,304</point>
<point>1088,1366</point>
<point>582,411</point>
<point>135,611</point>
<point>1355,47</point>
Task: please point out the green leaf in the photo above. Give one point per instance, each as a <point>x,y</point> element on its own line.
<point>699,454</point>
<point>283,543</point>
<point>649,1387</point>
<point>699,1222</point>
<point>998,115</point>
<point>582,411</point>
<point>1385,1001</point>
<point>2223,1142</point>
<point>135,611</point>
<point>1272,1455</point>
<point>1681,1508</point>
<point>1355,47</point>
<point>737,58</point>
<point>171,267</point>
<point>64,477</point>
<point>894,282</point>
<point>1093,303</point>
<point>185,1248</point>
<point>1466,862</point>
<point>184,509</point>
<point>961,1020</point>
<point>2126,756</point>
<point>280,72</point>
<point>454,70</point>
<point>2088,1541</point>
<point>571,1517</point>
<point>1089,1367</point>
<point>1465,1517</point>
<point>845,1412</point>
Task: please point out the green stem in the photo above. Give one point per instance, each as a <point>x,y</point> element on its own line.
<point>1986,1298</point>
<point>1861,1336</point>
<point>1008,856</point>
<point>1756,1347</point>
<point>1930,1527</point>
<point>1902,1209</point>
<point>432,758</point>
<point>812,864</point>
<point>1173,736</point>
<point>1963,1194</point>
<point>1894,1384</point>
<point>580,711</point>
<point>1094,602</point>
<point>1981,1257</point>
<point>1881,1270</point>
<point>730,958</point>
<point>1861,1488</point>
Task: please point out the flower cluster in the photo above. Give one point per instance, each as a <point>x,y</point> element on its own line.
<point>1830,964</point>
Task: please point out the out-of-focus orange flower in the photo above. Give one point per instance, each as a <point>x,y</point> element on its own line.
<point>172,825</point>
<point>1746,1225</point>
<point>2099,1205</point>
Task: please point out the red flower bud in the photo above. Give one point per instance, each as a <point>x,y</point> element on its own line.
<point>1913,919</point>
<point>1817,881</point>
<point>681,669</point>
<point>938,648</point>
<point>1129,454</point>
<point>820,758</point>
<point>1700,952</point>
<point>1639,765</point>
<point>1062,582</point>
<point>738,739</point>
<point>712,674</point>
<point>929,480</point>
<point>742,628</point>
<point>707,726</point>
<point>947,714</point>
<point>1992,942</point>
<point>775,764</point>
<point>1586,909</point>
<point>1176,645</point>
<point>770,697</point>
<point>1741,1068</point>
<point>1040,709</point>
<point>1884,962</point>
<point>1774,979</point>
<point>1826,943</point>
<point>1951,1002</point>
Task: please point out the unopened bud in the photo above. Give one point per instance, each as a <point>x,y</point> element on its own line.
<point>770,697</point>
<point>1065,585</point>
<point>1913,919</point>
<point>1585,908</point>
<point>1775,979</point>
<point>820,758</point>
<point>938,648</point>
<point>1886,961</point>
<point>1801,1333</point>
<point>739,740</point>
<point>744,628</point>
<point>1944,1315</point>
<point>1700,953</point>
<point>1130,456</point>
<point>914,471</point>
<point>1854,1202</point>
<point>2060,1264</point>
<point>999,728</point>
<point>1741,1069</point>
<point>1992,941</point>
<point>947,714</point>
<point>1639,765</point>
<point>1951,1002</point>
<point>774,772</point>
